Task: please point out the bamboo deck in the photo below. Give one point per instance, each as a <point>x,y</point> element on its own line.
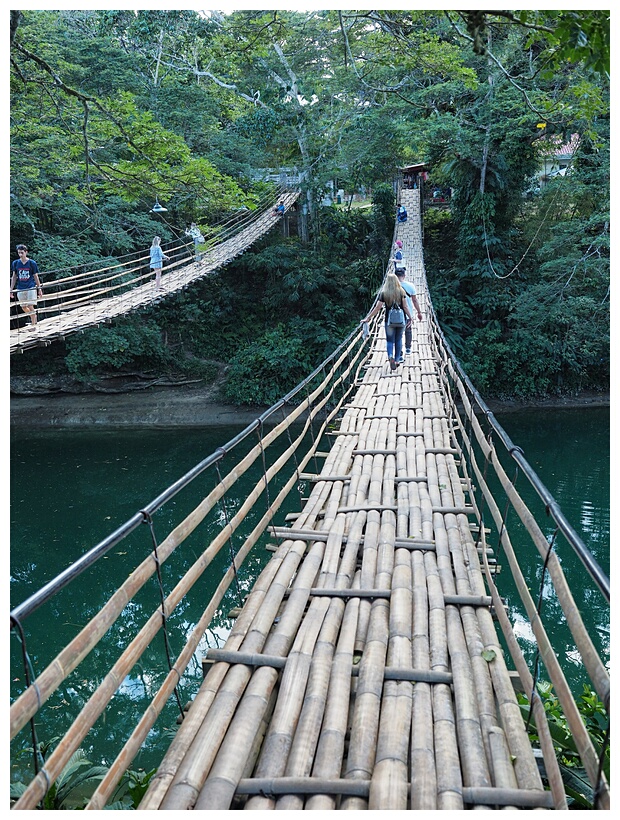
<point>357,674</point>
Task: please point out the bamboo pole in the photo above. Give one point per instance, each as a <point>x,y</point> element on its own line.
<point>198,758</point>
<point>311,720</point>
<point>539,714</point>
<point>56,762</point>
<point>285,564</point>
<point>389,781</point>
<point>132,746</point>
<point>249,631</point>
<point>96,704</point>
<point>274,755</point>
<point>580,735</point>
<point>422,774</point>
<point>366,713</point>
<point>448,774</point>
<point>226,771</point>
<point>329,754</point>
<point>596,669</point>
<point>192,774</point>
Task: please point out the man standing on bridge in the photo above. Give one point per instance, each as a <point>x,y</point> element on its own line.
<point>412,301</point>
<point>26,276</point>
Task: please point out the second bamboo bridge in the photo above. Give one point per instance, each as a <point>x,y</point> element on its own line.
<point>372,664</point>
<point>72,303</point>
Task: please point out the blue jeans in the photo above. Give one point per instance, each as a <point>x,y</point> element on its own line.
<point>394,340</point>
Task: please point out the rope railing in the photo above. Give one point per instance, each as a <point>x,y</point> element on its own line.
<point>289,435</point>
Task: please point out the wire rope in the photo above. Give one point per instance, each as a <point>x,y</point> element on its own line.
<point>529,247</point>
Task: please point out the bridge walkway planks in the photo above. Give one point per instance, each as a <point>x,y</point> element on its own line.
<point>364,670</point>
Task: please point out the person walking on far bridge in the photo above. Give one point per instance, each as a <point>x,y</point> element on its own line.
<point>196,234</point>
<point>412,301</point>
<point>392,296</point>
<point>25,274</point>
<point>157,260</point>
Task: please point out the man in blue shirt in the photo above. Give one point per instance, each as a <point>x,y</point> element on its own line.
<point>25,274</point>
<point>412,301</point>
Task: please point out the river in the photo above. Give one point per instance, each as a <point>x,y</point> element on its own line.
<point>71,488</point>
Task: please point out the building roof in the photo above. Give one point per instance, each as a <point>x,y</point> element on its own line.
<point>412,169</point>
<point>554,147</point>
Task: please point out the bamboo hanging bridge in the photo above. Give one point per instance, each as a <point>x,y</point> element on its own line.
<point>372,663</point>
<point>83,299</point>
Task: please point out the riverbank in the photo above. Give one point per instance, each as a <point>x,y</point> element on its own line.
<point>185,406</point>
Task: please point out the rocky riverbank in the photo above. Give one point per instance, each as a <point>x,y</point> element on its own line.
<point>39,405</point>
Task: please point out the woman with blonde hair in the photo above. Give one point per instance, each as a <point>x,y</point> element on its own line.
<point>157,260</point>
<point>391,296</point>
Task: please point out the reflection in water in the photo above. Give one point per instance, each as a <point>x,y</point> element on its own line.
<point>87,484</point>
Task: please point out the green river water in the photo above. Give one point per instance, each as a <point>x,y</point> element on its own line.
<point>72,488</point>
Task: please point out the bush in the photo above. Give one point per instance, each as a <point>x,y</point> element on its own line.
<point>267,368</point>
<point>129,342</point>
<point>596,720</point>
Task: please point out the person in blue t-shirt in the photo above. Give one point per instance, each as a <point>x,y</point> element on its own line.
<point>26,284</point>
<point>399,262</point>
<point>412,301</point>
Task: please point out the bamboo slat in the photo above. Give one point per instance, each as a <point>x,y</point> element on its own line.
<point>331,742</point>
<point>389,781</point>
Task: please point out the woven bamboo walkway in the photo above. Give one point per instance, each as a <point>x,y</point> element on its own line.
<point>175,277</point>
<point>357,673</point>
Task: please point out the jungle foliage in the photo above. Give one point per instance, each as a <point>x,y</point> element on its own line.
<point>111,109</point>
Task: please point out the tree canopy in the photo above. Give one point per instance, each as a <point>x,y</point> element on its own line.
<point>113,109</point>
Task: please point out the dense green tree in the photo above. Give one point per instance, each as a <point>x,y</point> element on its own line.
<point>195,107</point>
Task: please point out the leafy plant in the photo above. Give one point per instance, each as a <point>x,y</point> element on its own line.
<point>76,783</point>
<point>596,720</point>
<point>114,347</point>
<point>77,780</point>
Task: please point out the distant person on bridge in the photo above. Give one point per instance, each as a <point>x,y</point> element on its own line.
<point>279,209</point>
<point>402,213</point>
<point>412,301</point>
<point>391,296</point>
<point>399,262</point>
<point>157,260</point>
<point>194,232</point>
<point>25,273</point>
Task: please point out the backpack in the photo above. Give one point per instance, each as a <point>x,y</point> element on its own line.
<point>396,316</point>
